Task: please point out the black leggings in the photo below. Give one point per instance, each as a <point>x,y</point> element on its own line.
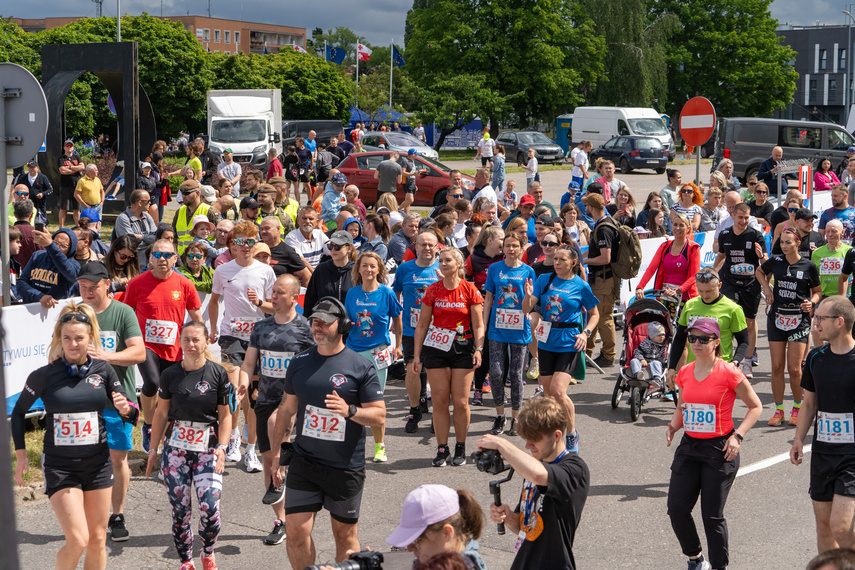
<point>699,468</point>
<point>150,370</point>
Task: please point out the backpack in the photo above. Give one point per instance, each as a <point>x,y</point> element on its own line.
<point>628,260</point>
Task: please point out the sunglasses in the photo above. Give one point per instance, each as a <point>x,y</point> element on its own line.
<point>22,193</point>
<point>549,244</point>
<point>194,256</point>
<point>701,339</point>
<point>125,257</point>
<point>792,210</point>
<point>162,254</point>
<point>337,247</point>
<point>75,316</point>
<point>687,191</point>
<point>761,192</point>
<point>752,184</point>
<point>705,277</point>
<point>245,241</point>
<point>457,195</point>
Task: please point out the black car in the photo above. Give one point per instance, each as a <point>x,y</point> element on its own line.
<point>632,151</point>
<point>517,143</point>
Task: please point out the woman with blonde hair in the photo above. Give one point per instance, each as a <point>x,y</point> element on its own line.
<point>623,210</point>
<point>387,201</point>
<point>518,226</point>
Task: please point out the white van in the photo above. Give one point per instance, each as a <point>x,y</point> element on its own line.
<point>599,124</point>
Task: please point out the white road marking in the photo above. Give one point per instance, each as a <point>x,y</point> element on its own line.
<point>768,462</point>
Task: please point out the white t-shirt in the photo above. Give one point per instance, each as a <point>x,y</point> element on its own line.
<point>487,192</point>
<point>532,168</point>
<point>580,158</point>
<point>419,133</point>
<point>311,249</point>
<point>459,236</point>
<point>487,146</point>
<point>231,282</point>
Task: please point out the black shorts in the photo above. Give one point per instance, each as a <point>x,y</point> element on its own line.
<point>86,474</point>
<point>66,199</point>
<point>799,334</point>
<point>310,486</point>
<point>262,414</point>
<point>746,297</point>
<point>831,475</point>
<point>408,344</point>
<point>552,362</point>
<point>304,176</point>
<point>151,370</point>
<point>485,160</point>
<point>459,356</point>
<point>233,350</point>
<point>410,188</point>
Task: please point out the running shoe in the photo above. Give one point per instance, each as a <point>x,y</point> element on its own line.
<point>699,563</point>
<point>380,453</point>
<point>777,419</point>
<point>233,452</point>
<point>669,396</point>
<point>512,431</point>
<point>754,360</point>
<point>746,369</point>
<point>188,566</point>
<point>538,391</point>
<point>603,362</point>
<point>572,441</point>
<point>208,563</point>
<point>277,535</point>
<point>794,416</point>
<point>498,425</point>
<point>251,462</point>
<point>118,532</point>
<point>459,454</point>
<point>476,399</point>
<point>441,456</point>
<point>533,371</point>
<point>146,438</point>
<point>413,419</point>
<point>486,389</point>
<point>274,495</point>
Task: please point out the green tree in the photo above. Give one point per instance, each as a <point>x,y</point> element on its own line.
<point>341,37</point>
<point>373,95</point>
<point>727,52</point>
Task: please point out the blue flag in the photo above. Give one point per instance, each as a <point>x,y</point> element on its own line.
<point>397,57</point>
<point>335,54</point>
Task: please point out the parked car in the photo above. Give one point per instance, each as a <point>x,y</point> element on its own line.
<point>631,152</point>
<point>432,181</point>
<point>396,140</point>
<point>517,143</point>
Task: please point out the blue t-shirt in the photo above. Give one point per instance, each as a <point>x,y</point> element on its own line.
<point>846,217</point>
<point>507,286</point>
<point>370,314</point>
<point>562,302</point>
<point>413,281</point>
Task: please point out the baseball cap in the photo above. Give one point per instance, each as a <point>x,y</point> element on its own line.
<point>229,150</point>
<point>574,186</point>
<point>94,271</point>
<point>595,188</point>
<point>412,151</point>
<point>32,164</point>
<point>655,329</point>
<point>527,200</point>
<point>339,178</point>
<point>341,237</point>
<point>427,505</point>
<point>248,204</point>
<point>327,310</point>
<point>277,180</point>
<point>805,214</point>
<point>208,193</point>
<point>545,220</point>
<point>851,149</point>
<point>91,213</point>
<point>594,200</point>
<point>260,247</point>
<point>707,325</point>
<point>69,142</point>
<point>145,165</point>
<point>202,219</point>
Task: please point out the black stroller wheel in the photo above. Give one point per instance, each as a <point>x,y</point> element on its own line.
<point>618,391</point>
<point>634,403</point>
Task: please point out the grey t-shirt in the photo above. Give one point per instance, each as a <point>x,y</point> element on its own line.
<point>230,170</point>
<point>389,171</point>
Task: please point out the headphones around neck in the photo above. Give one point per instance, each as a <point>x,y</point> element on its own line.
<point>80,370</point>
<point>344,322</point>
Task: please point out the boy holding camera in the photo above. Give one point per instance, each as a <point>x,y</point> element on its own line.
<point>555,487</point>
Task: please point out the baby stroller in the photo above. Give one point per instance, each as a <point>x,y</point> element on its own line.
<point>655,307</point>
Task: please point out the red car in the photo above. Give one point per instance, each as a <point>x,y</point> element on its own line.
<point>432,179</point>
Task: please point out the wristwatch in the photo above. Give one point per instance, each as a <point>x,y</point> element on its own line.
<point>222,446</point>
<point>351,411</point>
<point>479,349</point>
<point>587,332</point>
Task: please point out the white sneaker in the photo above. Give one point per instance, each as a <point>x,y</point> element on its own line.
<point>251,462</point>
<point>233,452</point>
<point>746,368</point>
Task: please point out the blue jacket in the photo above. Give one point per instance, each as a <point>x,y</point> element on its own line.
<point>50,272</point>
<point>331,204</point>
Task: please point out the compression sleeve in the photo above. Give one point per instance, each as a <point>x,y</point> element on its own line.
<point>32,391</point>
<point>114,385</point>
<point>741,339</point>
<point>678,346</point>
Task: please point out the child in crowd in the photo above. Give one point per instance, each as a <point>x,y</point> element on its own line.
<point>202,228</point>
<point>650,353</point>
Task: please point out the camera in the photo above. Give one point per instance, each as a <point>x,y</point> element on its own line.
<point>365,560</point>
<point>489,461</point>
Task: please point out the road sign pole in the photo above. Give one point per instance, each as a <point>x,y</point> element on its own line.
<point>698,166</point>
<point>4,212</point>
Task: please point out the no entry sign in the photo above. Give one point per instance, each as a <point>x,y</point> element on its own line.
<point>697,121</point>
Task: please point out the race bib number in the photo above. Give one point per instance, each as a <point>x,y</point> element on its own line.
<point>542,331</point>
<point>191,436</point>
<point>320,423</point>
<point>441,339</point>
<point>109,340</point>
<point>242,327</point>
<point>742,269</point>
<point>699,418</point>
<point>834,428</point>
<point>414,317</point>
<point>510,319</point>
<point>161,332</point>
<point>382,357</point>
<point>274,364</point>
<point>75,429</point>
<point>787,322</point>
<point>830,265</point>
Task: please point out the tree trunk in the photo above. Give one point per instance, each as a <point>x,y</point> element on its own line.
<point>444,133</point>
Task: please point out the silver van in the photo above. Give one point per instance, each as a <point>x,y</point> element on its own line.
<point>748,141</point>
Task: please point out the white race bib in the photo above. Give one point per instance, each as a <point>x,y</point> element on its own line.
<point>441,339</point>
<point>109,340</point>
<point>835,428</point>
<point>542,331</point>
<point>161,332</point>
<point>320,423</point>
<point>242,327</point>
<point>191,436</point>
<point>787,322</point>
<point>76,429</point>
<point>274,364</point>
<point>510,319</point>
<point>383,357</point>
<point>699,418</point>
<point>742,269</point>
<point>414,317</point>
<point>830,265</point>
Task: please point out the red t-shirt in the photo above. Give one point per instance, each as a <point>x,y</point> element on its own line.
<point>708,405</point>
<point>451,306</point>
<point>166,301</point>
<point>275,169</point>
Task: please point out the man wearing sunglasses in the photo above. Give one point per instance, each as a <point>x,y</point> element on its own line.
<point>840,210</point>
<point>452,195</point>
<point>136,221</point>
<point>182,223</point>
<point>20,193</point>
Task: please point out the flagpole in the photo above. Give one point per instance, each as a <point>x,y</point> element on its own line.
<point>391,69</point>
<point>325,49</point>
<point>357,65</point>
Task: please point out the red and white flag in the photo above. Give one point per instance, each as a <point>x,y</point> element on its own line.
<point>363,52</point>
<point>299,49</point>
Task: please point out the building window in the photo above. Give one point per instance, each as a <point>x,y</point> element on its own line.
<point>812,94</point>
<point>228,36</point>
<point>216,36</point>
<point>237,38</point>
<point>832,91</point>
<point>841,58</point>
<point>823,59</point>
<point>206,35</point>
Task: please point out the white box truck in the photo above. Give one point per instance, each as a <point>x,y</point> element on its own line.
<point>248,121</point>
<point>599,124</point>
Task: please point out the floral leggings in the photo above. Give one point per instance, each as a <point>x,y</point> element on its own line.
<point>180,469</point>
<point>515,355</point>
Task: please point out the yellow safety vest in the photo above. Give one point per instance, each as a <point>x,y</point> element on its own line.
<point>183,226</point>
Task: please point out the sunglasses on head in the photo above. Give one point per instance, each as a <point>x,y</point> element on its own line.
<point>162,254</point>
<point>337,246</point>
<point>22,193</point>
<point>245,241</point>
<point>125,257</point>
<point>75,316</point>
<point>548,244</point>
<point>705,277</point>
<point>195,256</point>
<point>700,339</point>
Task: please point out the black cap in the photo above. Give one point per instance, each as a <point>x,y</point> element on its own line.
<point>32,164</point>
<point>327,311</point>
<point>248,203</point>
<point>595,188</point>
<point>94,271</point>
<point>545,220</point>
<point>805,214</point>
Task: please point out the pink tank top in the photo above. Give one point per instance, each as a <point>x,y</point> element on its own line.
<point>675,268</point>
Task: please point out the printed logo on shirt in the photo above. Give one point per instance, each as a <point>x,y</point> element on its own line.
<point>553,307</point>
<point>364,323</point>
<point>508,297</point>
<point>450,304</point>
<point>176,295</point>
<point>95,380</point>
<point>338,379</point>
<point>800,274</point>
<point>420,293</point>
<point>203,386</point>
